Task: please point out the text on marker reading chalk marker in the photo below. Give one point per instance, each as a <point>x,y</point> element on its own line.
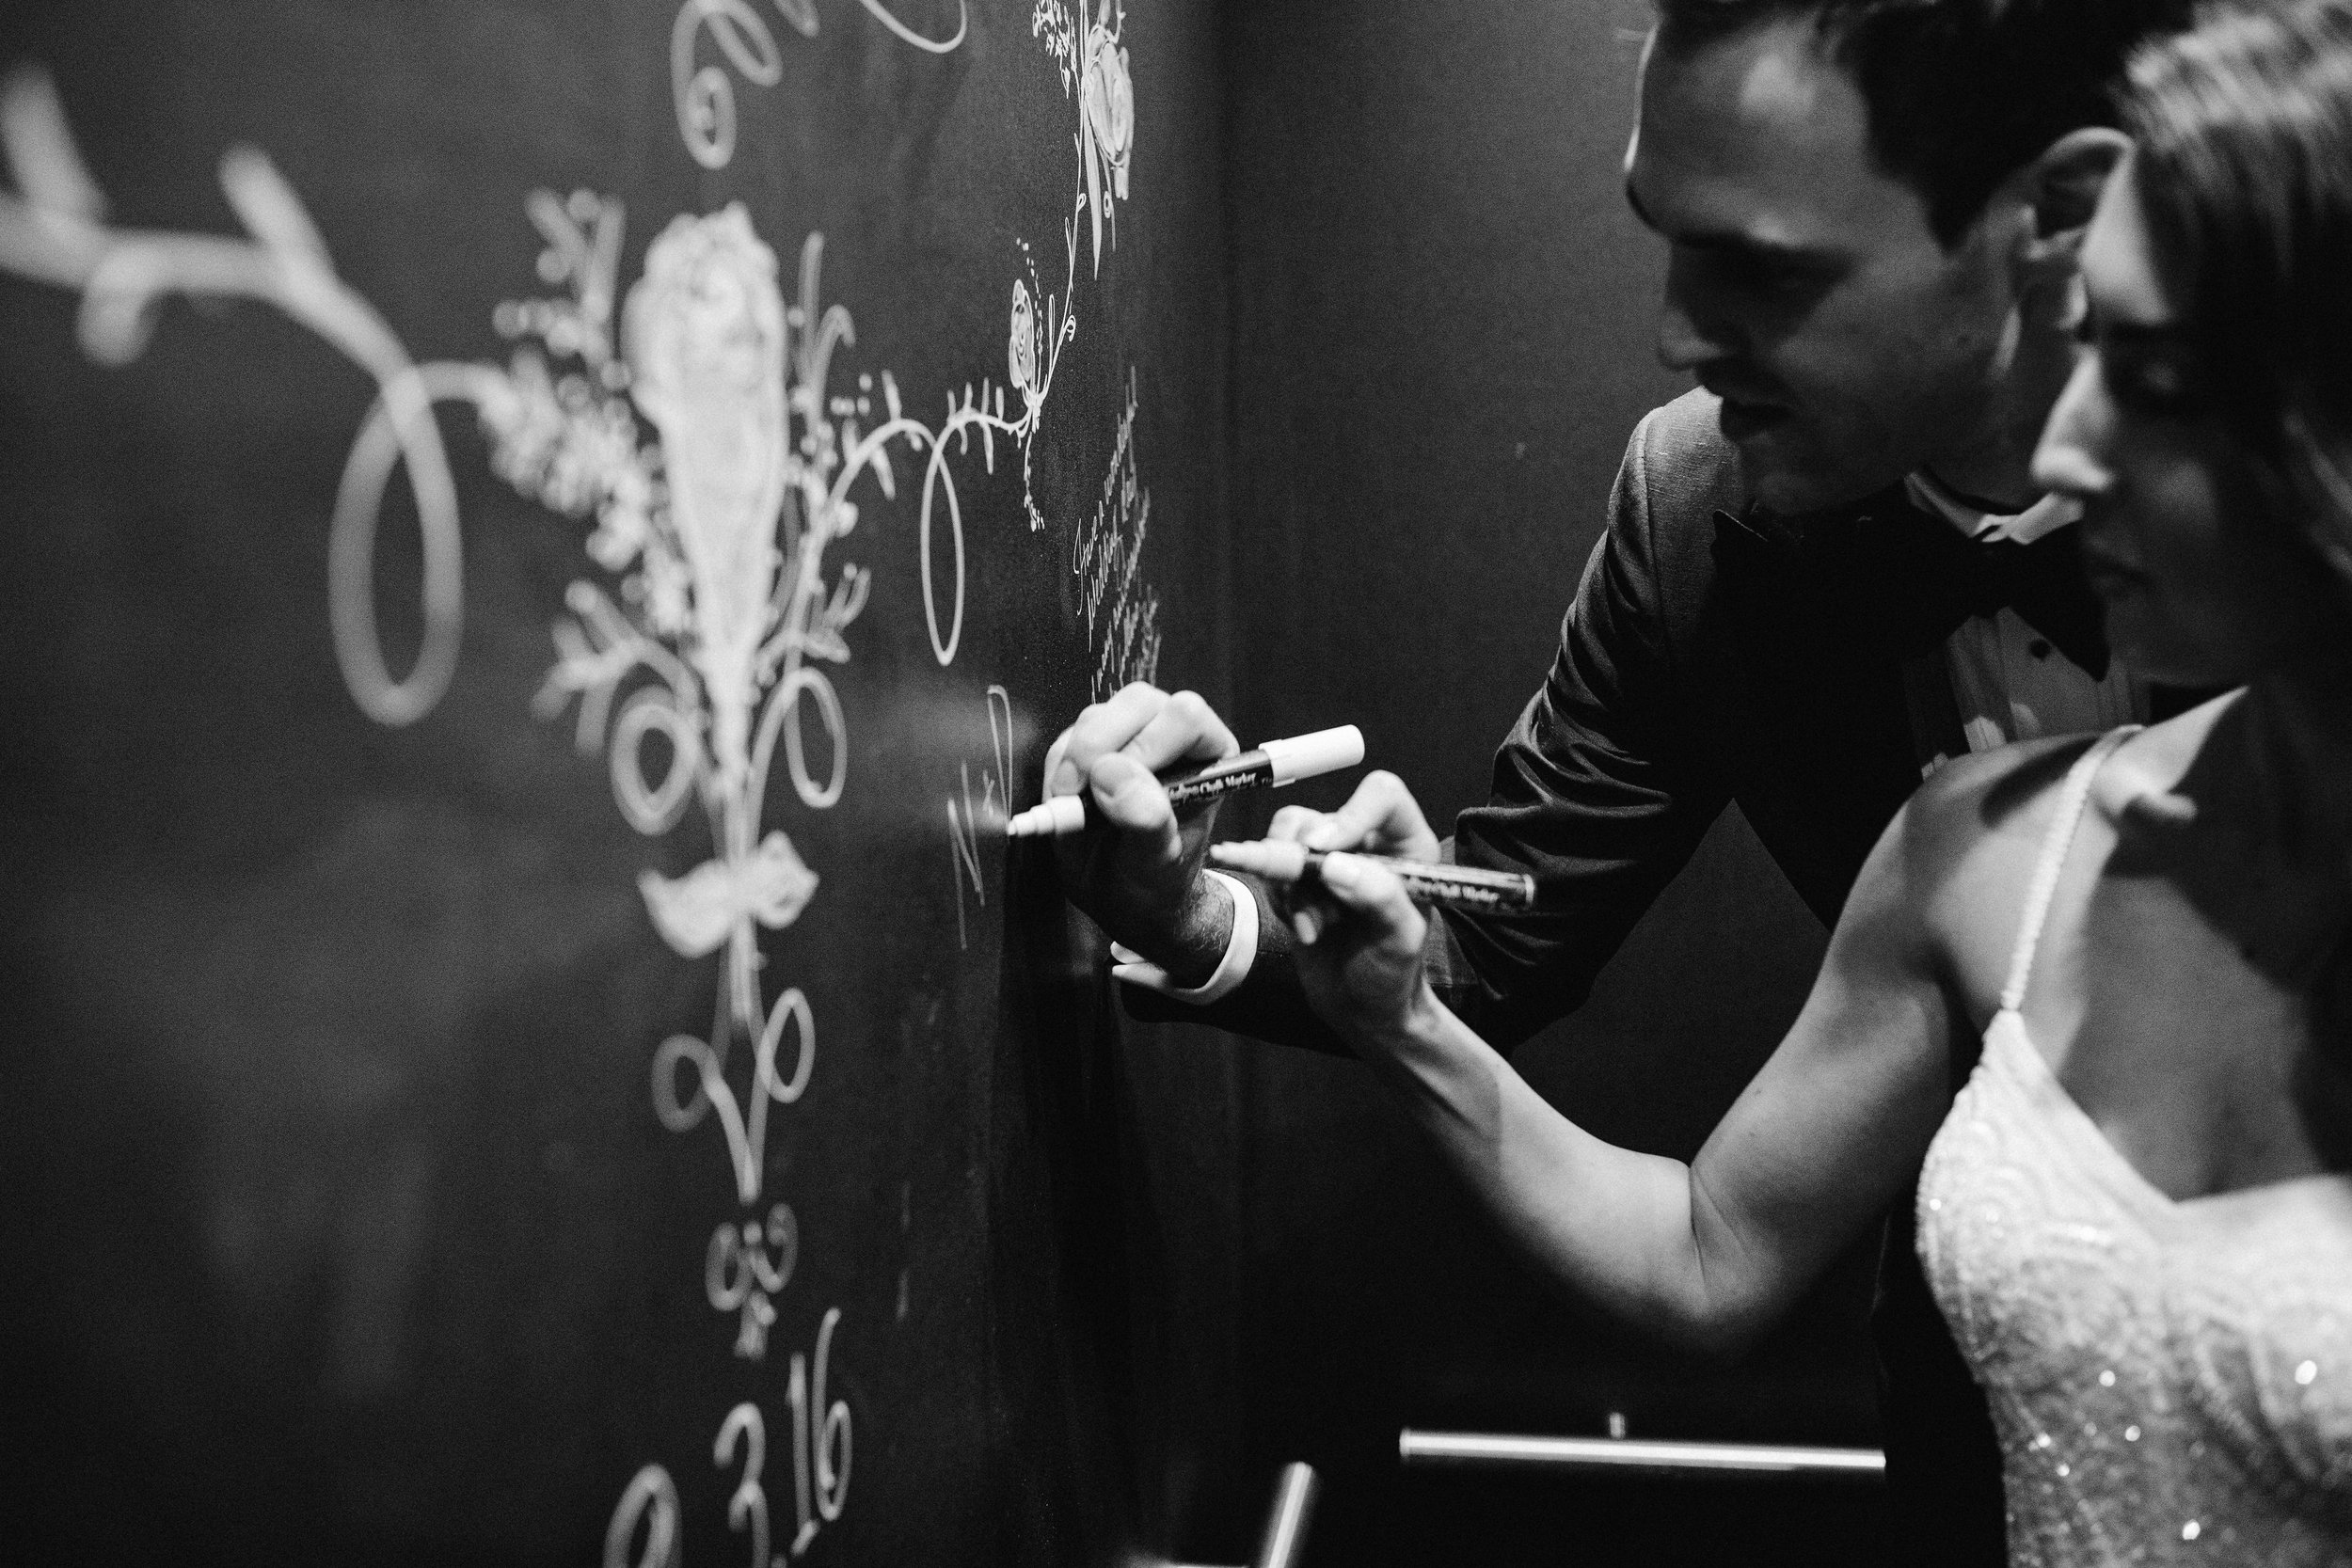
<point>1270,766</point>
<point>1461,887</point>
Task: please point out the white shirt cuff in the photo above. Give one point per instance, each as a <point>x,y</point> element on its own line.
<point>1241,951</point>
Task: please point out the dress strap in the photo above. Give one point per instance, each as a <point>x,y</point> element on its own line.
<point>2072,797</point>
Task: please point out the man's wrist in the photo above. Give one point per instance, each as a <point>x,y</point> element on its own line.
<point>1204,929</point>
<point>1236,912</point>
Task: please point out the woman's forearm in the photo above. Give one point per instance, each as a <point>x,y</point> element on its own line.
<point>1624,1229</point>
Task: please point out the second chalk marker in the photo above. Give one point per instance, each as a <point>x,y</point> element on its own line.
<point>1270,766</point>
<point>1460,887</point>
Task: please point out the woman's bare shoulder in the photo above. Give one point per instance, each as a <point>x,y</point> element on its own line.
<point>1962,853</point>
<point>1998,799</point>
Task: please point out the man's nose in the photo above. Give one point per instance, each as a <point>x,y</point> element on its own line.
<point>1688,335</point>
<point>2072,456</point>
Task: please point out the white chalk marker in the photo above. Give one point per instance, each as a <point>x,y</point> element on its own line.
<point>1270,766</point>
<point>1459,887</point>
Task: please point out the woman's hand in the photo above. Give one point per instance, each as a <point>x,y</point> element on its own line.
<point>1359,937</point>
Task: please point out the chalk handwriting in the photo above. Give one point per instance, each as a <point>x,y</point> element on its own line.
<point>1095,68</point>
<point>822,1432</point>
<point>988,812</point>
<point>651,1499</point>
<point>749,1505</point>
<point>820,1440</point>
<point>1122,611</point>
<point>705,93</point>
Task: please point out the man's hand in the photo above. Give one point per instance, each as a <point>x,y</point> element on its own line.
<point>1359,937</point>
<point>1138,872</point>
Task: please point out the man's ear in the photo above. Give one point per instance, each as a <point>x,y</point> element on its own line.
<point>2061,189</point>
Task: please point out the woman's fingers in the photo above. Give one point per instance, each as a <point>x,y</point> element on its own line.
<point>1381,816</point>
<point>1368,889</point>
<point>1292,823</point>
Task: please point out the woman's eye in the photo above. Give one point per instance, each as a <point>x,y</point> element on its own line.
<point>2154,385</point>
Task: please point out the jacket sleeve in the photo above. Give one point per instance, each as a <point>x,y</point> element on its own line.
<point>1596,792</point>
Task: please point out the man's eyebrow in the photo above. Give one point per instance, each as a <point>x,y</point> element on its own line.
<point>1724,241</point>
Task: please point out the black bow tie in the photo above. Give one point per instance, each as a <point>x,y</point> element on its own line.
<point>1905,580</point>
<point>2043,582</point>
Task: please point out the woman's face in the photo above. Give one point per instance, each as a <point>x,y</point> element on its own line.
<point>2201,589</point>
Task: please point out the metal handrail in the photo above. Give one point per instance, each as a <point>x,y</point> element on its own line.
<point>1647,1456</point>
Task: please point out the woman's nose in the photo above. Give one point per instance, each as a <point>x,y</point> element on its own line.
<point>2072,456</point>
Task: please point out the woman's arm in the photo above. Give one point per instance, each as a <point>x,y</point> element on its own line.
<point>1707,1254</point>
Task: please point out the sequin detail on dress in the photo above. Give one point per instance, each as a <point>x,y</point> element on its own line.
<point>2172,1381</point>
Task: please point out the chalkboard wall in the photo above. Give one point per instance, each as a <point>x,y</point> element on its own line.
<point>536,539</point>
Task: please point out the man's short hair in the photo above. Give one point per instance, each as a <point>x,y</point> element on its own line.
<point>1960,93</point>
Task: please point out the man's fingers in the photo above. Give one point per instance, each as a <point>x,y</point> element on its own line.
<point>1129,797</point>
<point>1185,731</point>
<point>1101,730</point>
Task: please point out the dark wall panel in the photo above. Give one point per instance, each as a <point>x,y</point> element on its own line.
<point>1443,315</point>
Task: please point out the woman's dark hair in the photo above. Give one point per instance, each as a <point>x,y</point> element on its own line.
<point>2243,167</point>
<point>1960,93</point>
<point>2244,172</point>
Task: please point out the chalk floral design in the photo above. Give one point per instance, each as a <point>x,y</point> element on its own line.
<point>704,93</point>
<point>717,528</point>
<point>1093,63</point>
<point>1107,130</point>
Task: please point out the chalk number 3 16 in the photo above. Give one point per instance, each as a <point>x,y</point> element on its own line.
<point>821,1473</point>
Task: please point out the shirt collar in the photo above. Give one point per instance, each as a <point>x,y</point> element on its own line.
<point>2044,517</point>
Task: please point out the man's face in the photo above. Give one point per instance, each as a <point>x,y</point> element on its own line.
<point>1805,286</point>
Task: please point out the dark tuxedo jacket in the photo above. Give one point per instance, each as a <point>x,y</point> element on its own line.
<point>1715,654</point>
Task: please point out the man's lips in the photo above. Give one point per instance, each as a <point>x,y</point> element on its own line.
<point>1738,415</point>
<point>1740,419</point>
<point>2110,574</point>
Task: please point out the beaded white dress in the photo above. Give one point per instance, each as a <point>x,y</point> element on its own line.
<point>2172,1381</point>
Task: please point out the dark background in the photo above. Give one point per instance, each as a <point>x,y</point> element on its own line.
<point>1443,325</point>
<point>340,1221</point>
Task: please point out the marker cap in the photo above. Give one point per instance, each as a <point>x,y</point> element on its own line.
<point>1303,756</point>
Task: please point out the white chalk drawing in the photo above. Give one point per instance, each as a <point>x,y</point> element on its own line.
<point>717,528</point>
<point>705,93</point>
<point>748,1265</point>
<point>1093,65</point>
<point>821,1473</point>
<point>1094,71</point>
<point>53,228</point>
<point>1122,610</point>
<point>990,810</point>
<point>697,422</point>
<point>724,617</point>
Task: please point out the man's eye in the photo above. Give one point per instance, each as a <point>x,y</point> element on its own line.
<point>1766,277</point>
